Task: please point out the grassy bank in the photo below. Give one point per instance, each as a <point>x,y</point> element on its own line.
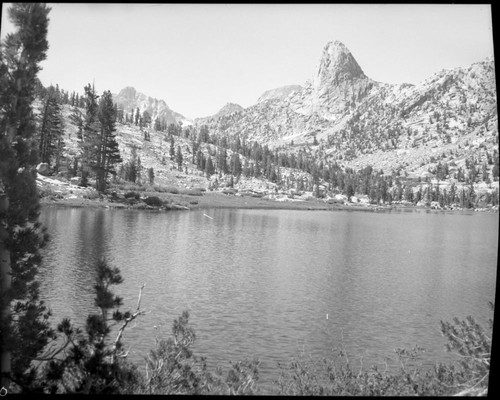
<point>206,201</point>
<point>209,200</point>
<point>156,197</point>
<point>194,199</point>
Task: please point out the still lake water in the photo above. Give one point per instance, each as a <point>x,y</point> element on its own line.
<point>260,283</point>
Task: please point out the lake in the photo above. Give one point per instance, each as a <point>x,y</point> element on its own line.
<point>272,284</point>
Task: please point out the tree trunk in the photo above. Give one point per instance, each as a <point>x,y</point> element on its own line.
<point>5,283</point>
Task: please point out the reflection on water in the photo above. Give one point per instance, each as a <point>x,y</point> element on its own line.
<point>261,282</point>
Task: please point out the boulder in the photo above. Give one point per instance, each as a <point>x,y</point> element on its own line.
<point>43,169</point>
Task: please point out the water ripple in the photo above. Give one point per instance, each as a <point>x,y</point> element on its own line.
<point>261,283</point>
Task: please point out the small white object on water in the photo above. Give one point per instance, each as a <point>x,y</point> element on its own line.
<point>326,316</point>
<point>208,216</point>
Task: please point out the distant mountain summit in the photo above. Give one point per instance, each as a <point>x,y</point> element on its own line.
<point>226,111</point>
<point>337,65</point>
<point>338,85</point>
<point>229,109</point>
<point>129,99</point>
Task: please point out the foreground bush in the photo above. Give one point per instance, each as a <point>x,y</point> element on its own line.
<point>337,377</point>
<point>153,201</point>
<point>172,368</point>
<point>132,195</point>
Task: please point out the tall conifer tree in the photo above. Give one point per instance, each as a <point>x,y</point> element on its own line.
<point>51,134</point>
<point>108,153</point>
<point>88,133</point>
<point>179,158</point>
<point>24,330</point>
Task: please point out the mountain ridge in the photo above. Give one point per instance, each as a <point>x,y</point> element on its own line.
<point>344,110</point>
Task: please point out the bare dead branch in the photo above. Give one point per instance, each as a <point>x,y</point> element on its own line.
<point>126,322</point>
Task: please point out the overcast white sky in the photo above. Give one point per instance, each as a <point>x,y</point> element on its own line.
<point>198,57</point>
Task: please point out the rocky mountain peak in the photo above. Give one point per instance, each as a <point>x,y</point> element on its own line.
<point>128,92</point>
<point>228,109</point>
<point>337,65</point>
<point>129,99</point>
<point>231,106</point>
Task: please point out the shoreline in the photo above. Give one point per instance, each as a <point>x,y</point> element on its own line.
<point>220,200</point>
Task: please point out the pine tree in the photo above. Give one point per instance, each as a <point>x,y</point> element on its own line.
<point>452,193</point>
<point>209,167</point>
<point>94,361</point>
<point>139,169</point>
<point>65,97</point>
<point>137,116</point>
<point>146,118</point>
<point>408,194</point>
<point>119,113</point>
<point>24,330</point>
<point>108,153</point>
<point>200,160</point>
<point>350,189</point>
<point>132,167</point>
<point>221,160</point>
<point>194,149</point>
<point>151,175</point>
<point>179,158</point>
<point>236,168</point>
<point>88,134</point>
<point>172,148</point>
<point>256,169</point>
<point>51,135</point>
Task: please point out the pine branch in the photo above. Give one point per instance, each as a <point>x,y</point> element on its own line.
<point>48,357</point>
